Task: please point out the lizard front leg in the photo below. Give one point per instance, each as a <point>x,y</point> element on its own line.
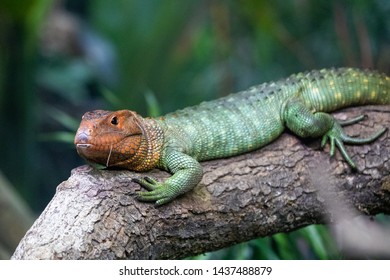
<point>300,120</point>
<point>187,173</point>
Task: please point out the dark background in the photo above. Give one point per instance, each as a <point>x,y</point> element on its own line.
<point>59,59</point>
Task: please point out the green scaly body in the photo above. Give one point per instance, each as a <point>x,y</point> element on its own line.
<point>229,126</point>
<point>250,119</point>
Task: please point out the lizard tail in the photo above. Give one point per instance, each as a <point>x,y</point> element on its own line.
<point>332,89</point>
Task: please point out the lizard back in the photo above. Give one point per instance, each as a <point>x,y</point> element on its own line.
<point>247,120</point>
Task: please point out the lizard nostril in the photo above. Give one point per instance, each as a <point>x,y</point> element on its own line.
<point>81,138</point>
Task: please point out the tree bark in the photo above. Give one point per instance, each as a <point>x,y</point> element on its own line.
<point>286,185</point>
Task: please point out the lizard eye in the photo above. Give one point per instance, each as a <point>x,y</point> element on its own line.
<point>114,120</point>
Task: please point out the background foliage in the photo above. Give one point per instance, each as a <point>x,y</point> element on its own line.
<point>59,59</point>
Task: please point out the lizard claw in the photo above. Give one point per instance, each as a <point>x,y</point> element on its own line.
<point>147,182</point>
<point>157,192</point>
<point>337,137</point>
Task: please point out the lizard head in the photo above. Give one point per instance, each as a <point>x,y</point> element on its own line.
<point>111,139</point>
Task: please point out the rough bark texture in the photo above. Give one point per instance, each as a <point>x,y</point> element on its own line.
<point>287,185</point>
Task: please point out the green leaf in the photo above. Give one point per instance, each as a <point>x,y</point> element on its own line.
<point>63,118</point>
<point>60,136</point>
<point>111,98</point>
<point>153,108</point>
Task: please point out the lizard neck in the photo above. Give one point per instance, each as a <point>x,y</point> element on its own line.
<point>149,152</point>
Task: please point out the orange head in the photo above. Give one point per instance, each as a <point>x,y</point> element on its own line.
<point>115,139</point>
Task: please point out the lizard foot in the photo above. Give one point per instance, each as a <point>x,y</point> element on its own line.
<point>337,137</point>
<point>157,192</point>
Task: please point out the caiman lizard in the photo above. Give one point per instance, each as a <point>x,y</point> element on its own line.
<point>232,125</point>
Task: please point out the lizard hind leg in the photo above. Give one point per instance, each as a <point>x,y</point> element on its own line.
<point>337,137</point>
<point>353,140</point>
<point>306,123</point>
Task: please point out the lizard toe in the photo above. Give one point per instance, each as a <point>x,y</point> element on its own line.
<point>159,195</point>
<point>148,183</point>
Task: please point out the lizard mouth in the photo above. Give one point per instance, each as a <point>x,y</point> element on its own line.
<point>109,154</point>
<point>84,149</point>
<point>83,146</point>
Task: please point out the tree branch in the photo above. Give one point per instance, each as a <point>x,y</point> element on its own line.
<point>284,186</point>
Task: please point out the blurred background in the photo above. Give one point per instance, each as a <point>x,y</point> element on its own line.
<point>61,58</point>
